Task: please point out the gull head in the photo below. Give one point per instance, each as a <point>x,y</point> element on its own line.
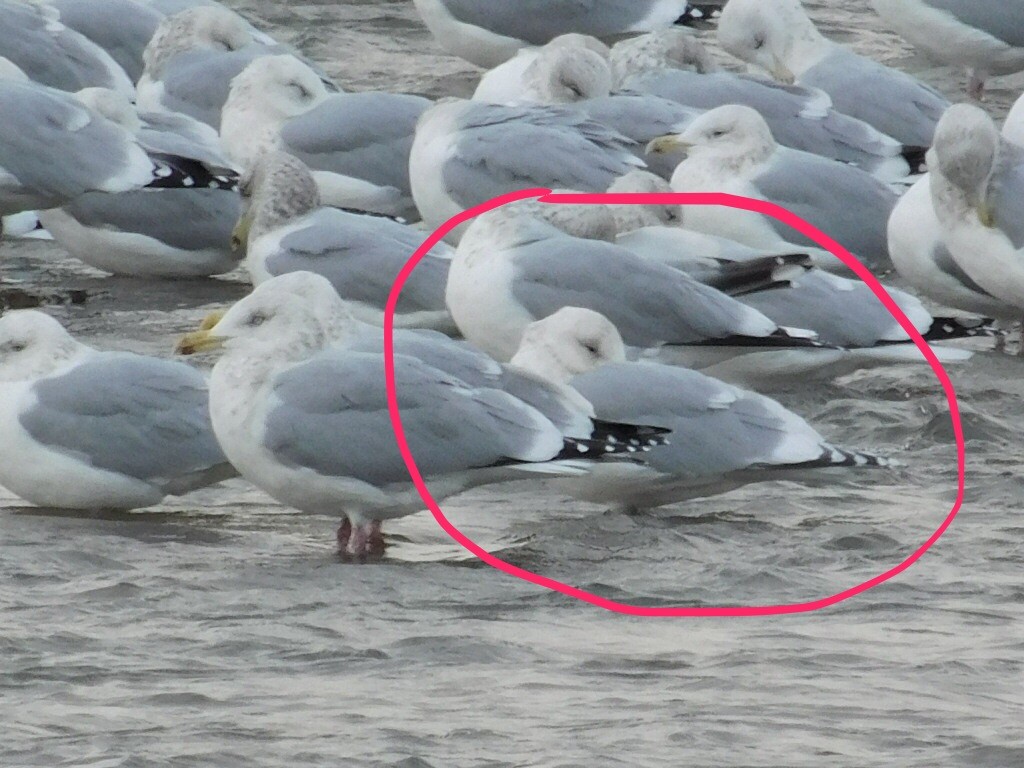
<point>113,105</point>
<point>570,342</point>
<point>564,74</point>
<point>964,155</point>
<point>632,217</point>
<point>33,344</point>
<point>765,32</point>
<point>286,318</point>
<point>276,190</point>
<point>205,27</point>
<point>280,87</point>
<point>734,134</point>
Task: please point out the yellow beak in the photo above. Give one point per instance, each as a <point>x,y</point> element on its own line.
<point>202,340</point>
<point>240,234</point>
<point>665,145</point>
<point>986,215</point>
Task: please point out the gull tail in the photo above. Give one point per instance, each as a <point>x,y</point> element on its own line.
<point>701,15</point>
<point>831,456</point>
<point>175,172</point>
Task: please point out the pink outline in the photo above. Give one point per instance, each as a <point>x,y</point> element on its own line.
<point>668,198</point>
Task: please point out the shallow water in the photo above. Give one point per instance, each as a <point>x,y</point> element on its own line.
<point>221,630</point>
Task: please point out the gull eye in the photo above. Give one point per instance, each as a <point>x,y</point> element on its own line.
<point>592,348</point>
<point>256,319</point>
<point>18,346</point>
<point>758,43</point>
<point>301,90</point>
<point>717,134</point>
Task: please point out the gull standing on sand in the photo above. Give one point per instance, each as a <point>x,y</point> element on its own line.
<point>357,144</point>
<point>779,37</point>
<point>731,149</point>
<point>985,36</point>
<point>288,230</point>
<point>85,429</point>
<point>722,437</point>
<point>304,416</point>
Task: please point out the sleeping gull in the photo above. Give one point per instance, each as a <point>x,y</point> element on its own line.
<point>986,36</point>
<point>302,413</point>
<point>85,429</point>
<point>721,437</point>
<point>505,83</point>
<point>731,150</point>
<point>488,32</point>
<point>287,230</point>
<point>156,233</point>
<point>800,118</point>
<point>977,188</point>
<point>466,153</point>
<point>512,268</point>
<point>573,74</point>
<point>778,36</point>
<point>54,149</point>
<point>51,54</point>
<point>123,28</point>
<point>192,58</point>
<point>357,144</point>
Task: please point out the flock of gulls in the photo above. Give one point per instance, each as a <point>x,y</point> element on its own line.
<point>609,352</point>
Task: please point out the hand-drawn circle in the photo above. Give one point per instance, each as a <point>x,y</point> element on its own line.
<point>668,198</point>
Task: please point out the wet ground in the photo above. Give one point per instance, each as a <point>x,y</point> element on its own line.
<point>221,629</point>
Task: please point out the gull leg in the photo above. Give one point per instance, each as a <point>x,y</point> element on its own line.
<point>375,539</point>
<point>976,85</point>
<point>344,534</point>
<point>358,543</point>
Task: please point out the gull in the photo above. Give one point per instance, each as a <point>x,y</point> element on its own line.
<point>722,437</point>
<point>778,36</point>
<point>731,149</point>
<point>85,429</point>
<point>287,230</point>
<point>302,413</point>
<point>357,144</point>
<point>985,36</point>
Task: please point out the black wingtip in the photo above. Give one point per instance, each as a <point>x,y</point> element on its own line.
<point>701,15</point>
<point>780,339</point>
<point>949,328</point>
<point>915,157</point>
<point>760,274</point>
<point>614,440</point>
<point>175,172</point>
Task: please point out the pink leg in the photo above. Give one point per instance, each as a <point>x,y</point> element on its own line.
<point>375,539</point>
<point>344,534</point>
<point>358,542</point>
<point>976,85</point>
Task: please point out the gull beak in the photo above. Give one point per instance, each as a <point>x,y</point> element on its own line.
<point>666,145</point>
<point>198,341</point>
<point>986,215</point>
<point>782,73</point>
<point>203,340</point>
<point>240,234</point>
